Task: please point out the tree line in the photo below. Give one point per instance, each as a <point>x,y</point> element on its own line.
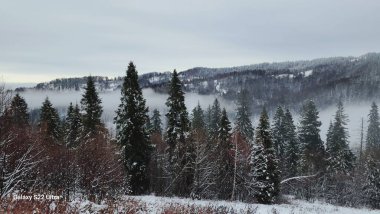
<point>198,155</point>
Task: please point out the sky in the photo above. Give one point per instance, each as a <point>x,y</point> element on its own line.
<point>41,40</point>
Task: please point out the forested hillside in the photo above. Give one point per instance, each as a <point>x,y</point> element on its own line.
<point>352,79</point>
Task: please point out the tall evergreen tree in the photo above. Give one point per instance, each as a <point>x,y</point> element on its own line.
<point>177,133</point>
<point>130,121</point>
<point>278,134</point>
<point>204,169</point>
<point>373,132</point>
<point>340,159</point>
<point>91,106</point>
<point>198,122</point>
<point>214,120</point>
<point>225,162</point>
<point>311,145</point>
<point>18,111</point>
<point>265,174</point>
<point>74,126</point>
<point>156,122</point>
<point>49,122</point>
<point>291,149</point>
<point>243,122</point>
<point>178,123</point>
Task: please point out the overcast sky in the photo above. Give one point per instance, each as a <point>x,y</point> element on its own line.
<point>43,39</point>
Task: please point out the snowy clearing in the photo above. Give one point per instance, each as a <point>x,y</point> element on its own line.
<point>153,204</point>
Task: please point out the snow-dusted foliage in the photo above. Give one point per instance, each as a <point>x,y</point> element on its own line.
<point>243,123</point>
<point>340,159</point>
<point>264,173</point>
<point>311,145</point>
<point>132,133</point>
<point>181,148</point>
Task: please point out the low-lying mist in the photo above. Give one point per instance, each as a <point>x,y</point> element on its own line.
<point>111,101</point>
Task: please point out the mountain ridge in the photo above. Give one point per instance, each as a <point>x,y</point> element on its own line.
<point>270,84</point>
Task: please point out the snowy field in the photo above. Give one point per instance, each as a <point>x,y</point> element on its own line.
<point>153,205</point>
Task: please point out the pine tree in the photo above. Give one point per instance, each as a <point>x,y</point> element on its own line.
<point>340,159</point>
<point>49,121</point>
<point>73,126</point>
<point>18,111</point>
<point>178,123</point>
<point>278,132</point>
<point>204,170</point>
<point>371,186</point>
<point>207,119</point>
<point>214,120</point>
<point>225,162</point>
<point>92,109</point>
<point>265,175</point>
<point>243,122</point>
<point>291,149</point>
<point>130,122</point>
<point>177,133</point>
<point>198,122</point>
<point>156,122</point>
<point>373,133</point>
<point>311,145</point>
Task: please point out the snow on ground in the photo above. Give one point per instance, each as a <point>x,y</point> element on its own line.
<point>308,73</point>
<point>152,205</point>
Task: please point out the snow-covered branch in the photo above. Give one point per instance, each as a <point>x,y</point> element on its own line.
<point>298,178</point>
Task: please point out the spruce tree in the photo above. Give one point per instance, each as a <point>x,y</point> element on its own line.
<point>340,159</point>
<point>311,145</point>
<point>156,122</point>
<point>177,117</point>
<point>18,111</point>
<point>214,120</point>
<point>243,122</point>
<point>73,126</point>
<point>91,107</point>
<point>225,162</point>
<point>130,122</point>
<point>371,185</point>
<point>265,175</point>
<point>278,132</point>
<point>180,150</point>
<point>291,147</point>
<point>49,122</point>
<point>198,122</point>
<point>373,132</point>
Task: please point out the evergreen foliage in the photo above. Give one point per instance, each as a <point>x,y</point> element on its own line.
<point>18,111</point>
<point>340,159</point>
<point>373,132</point>
<point>291,147</point>
<point>265,174</point>
<point>225,161</point>
<point>131,132</point>
<point>243,122</point>
<point>156,124</point>
<point>215,114</point>
<point>278,134</point>
<point>198,122</point>
<point>73,126</point>
<point>91,107</point>
<point>49,121</point>
<point>181,150</point>
<point>311,145</point>
<point>371,186</point>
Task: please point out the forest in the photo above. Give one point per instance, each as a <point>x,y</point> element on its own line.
<point>198,153</point>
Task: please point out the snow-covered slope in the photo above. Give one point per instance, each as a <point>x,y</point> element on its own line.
<point>153,204</point>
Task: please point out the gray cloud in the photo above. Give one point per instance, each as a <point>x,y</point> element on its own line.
<point>74,38</point>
